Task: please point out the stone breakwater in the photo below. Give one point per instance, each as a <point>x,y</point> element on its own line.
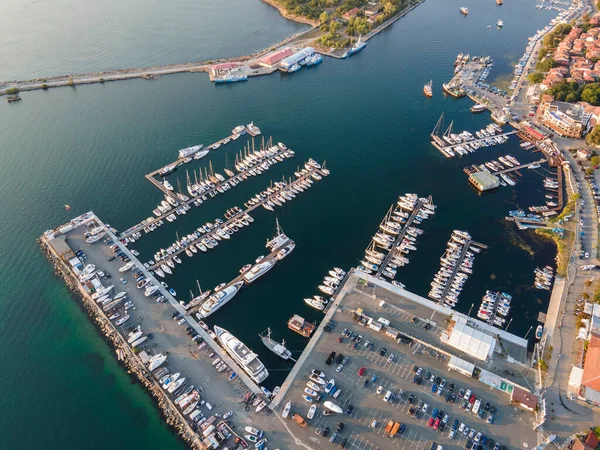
<point>128,358</point>
<point>150,72</point>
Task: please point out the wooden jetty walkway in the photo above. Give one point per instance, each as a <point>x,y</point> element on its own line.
<point>152,220</point>
<point>522,166</point>
<point>456,267</point>
<point>270,257</point>
<point>239,215</point>
<point>400,237</point>
<point>442,145</point>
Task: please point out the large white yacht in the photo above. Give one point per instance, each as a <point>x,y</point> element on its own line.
<point>259,270</point>
<point>242,355</point>
<point>219,298</point>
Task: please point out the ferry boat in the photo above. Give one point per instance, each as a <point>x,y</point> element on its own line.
<point>427,89</point>
<point>357,47</point>
<point>464,10</point>
<point>478,108</point>
<point>219,299</point>
<point>314,60</point>
<point>247,359</point>
<point>300,326</point>
<point>276,347</point>
<point>185,152</point>
<point>230,78</point>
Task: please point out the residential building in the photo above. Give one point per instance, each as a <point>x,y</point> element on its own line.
<point>352,13</point>
<point>524,398</point>
<point>565,119</point>
<point>590,382</point>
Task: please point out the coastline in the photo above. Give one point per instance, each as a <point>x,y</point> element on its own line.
<point>129,360</point>
<point>14,87</point>
<point>290,16</point>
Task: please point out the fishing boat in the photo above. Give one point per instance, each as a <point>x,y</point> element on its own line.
<point>464,10</point>
<point>333,407</point>
<point>478,108</point>
<point>500,23</point>
<point>357,47</point>
<point>313,303</point>
<point>156,361</point>
<point>311,411</point>
<point>276,347</point>
<point>427,89</point>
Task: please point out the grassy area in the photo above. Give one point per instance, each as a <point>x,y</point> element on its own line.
<point>564,247</point>
<point>568,209</point>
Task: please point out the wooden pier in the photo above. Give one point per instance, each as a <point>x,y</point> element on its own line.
<point>147,222</point>
<point>456,268</point>
<point>400,237</point>
<point>439,143</point>
<point>237,217</point>
<point>522,166</point>
<point>270,257</point>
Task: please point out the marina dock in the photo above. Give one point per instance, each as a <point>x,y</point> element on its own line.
<point>522,166</point>
<point>236,179</point>
<point>446,147</point>
<point>270,257</point>
<point>401,235</point>
<point>237,216</point>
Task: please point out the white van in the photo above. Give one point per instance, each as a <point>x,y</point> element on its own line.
<point>383,321</point>
<point>451,434</point>
<point>476,406</point>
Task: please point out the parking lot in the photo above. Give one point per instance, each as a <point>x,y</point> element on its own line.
<point>393,369</point>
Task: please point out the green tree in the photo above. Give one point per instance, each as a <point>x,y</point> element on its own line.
<point>324,18</point>
<point>536,77</point>
<point>571,97</point>
<point>593,137</point>
<point>591,94</point>
<point>595,161</point>
<point>545,64</point>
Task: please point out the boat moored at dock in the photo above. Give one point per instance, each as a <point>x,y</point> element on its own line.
<point>242,355</point>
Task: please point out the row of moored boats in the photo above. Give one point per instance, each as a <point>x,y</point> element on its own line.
<point>329,286</point>
<point>396,237</point>
<point>494,308</point>
<point>455,266</point>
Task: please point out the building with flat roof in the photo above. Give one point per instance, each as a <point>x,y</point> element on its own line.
<point>524,398</point>
<point>484,180</point>
<point>296,58</point>
<point>470,340</point>
<point>565,119</point>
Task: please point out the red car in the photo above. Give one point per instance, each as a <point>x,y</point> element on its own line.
<point>436,424</point>
<point>430,422</point>
<point>472,399</point>
<point>361,371</point>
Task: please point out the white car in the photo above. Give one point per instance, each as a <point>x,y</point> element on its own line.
<point>451,434</point>
<point>391,358</point>
<point>467,395</point>
<point>339,368</point>
<point>379,390</point>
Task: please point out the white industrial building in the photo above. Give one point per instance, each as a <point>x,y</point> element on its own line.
<point>471,341</point>
<point>301,55</point>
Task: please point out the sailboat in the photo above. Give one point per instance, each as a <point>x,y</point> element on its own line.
<point>226,169</point>
<point>278,348</point>
<point>427,90</point>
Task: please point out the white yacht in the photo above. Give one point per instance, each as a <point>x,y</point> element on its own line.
<point>259,270</point>
<point>241,354</point>
<point>156,361</point>
<point>219,299</point>
<point>185,152</point>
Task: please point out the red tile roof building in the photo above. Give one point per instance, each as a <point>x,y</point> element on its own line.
<point>272,59</point>
<point>590,381</point>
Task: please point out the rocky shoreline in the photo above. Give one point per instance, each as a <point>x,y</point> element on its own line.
<point>290,16</point>
<point>130,361</point>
